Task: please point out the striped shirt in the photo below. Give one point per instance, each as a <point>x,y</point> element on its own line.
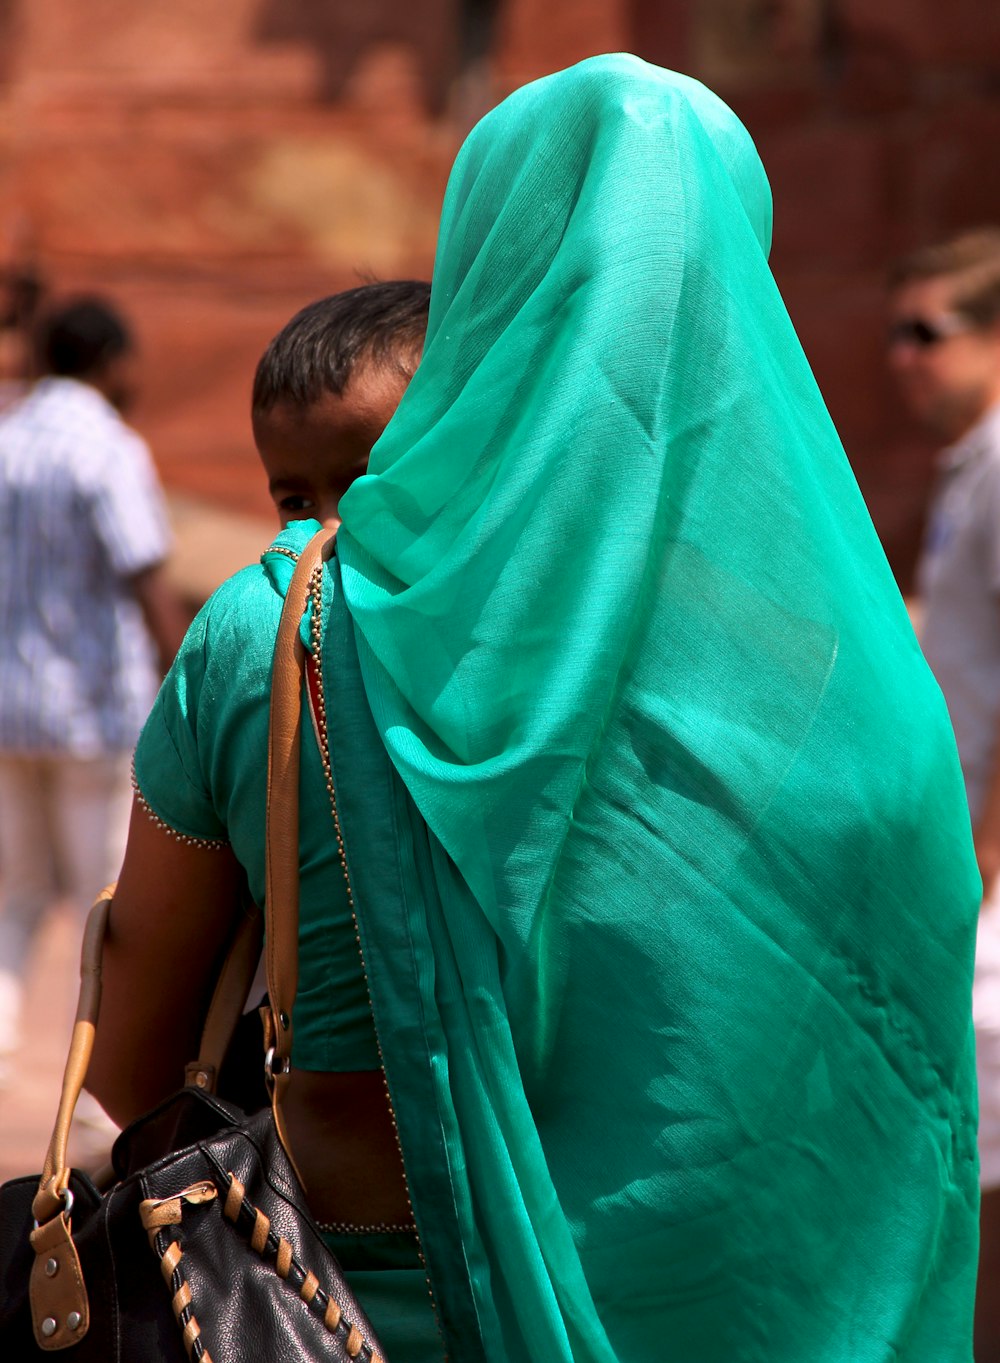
<point>81,512</point>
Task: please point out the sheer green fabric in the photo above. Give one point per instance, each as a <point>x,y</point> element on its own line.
<point>689,896</point>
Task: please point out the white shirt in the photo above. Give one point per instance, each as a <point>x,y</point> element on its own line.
<point>81,511</point>
<point>959,580</point>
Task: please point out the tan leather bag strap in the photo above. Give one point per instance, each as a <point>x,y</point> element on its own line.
<point>281,871</point>
<point>60,1310</point>
<point>55,1174</point>
<point>229,998</point>
<point>282,857</point>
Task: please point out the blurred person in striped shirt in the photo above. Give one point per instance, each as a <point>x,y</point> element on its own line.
<point>87,623</point>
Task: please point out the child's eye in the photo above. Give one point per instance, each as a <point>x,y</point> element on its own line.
<point>294,502</point>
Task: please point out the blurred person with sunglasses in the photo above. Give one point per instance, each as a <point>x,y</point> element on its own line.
<point>944,352</point>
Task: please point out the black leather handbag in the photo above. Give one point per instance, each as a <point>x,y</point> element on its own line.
<point>203,1247</point>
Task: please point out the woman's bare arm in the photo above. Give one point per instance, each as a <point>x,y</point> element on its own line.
<point>173,911</point>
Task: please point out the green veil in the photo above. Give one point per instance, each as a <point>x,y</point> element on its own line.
<point>671,965</point>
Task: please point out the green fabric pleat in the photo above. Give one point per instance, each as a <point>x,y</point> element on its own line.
<point>676,999</point>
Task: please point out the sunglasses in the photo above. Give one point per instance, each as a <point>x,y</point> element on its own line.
<point>925,332</point>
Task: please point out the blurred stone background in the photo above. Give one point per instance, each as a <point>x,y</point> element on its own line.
<point>215,164</point>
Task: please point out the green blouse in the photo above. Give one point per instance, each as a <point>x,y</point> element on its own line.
<point>201,767</point>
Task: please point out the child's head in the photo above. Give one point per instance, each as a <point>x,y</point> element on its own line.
<point>326,387</point>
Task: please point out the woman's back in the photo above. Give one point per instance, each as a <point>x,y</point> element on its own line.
<point>653,820</point>
<point>697,898</point>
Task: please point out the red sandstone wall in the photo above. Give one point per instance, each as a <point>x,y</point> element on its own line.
<point>185,157</point>
<point>216,163</point>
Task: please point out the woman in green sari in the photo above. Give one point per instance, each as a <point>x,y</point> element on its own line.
<point>655,828</point>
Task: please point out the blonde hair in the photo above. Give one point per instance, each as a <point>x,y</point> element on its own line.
<point>972,260</point>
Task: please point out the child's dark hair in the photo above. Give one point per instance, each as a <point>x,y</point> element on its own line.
<point>75,339</point>
<point>318,350</point>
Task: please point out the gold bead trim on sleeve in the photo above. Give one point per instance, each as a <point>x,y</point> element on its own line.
<point>211,844</point>
<point>280,549</point>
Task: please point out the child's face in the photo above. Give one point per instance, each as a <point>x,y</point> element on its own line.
<point>312,455</point>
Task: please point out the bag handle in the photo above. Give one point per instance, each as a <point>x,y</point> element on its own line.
<point>229,997</point>
<point>282,908</point>
<point>53,1188</point>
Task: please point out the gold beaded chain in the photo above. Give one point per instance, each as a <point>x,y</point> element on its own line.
<point>316,649</point>
<point>280,549</point>
<point>189,840</point>
<point>374,1228</point>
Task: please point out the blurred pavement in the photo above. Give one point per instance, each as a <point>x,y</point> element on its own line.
<point>28,1102</point>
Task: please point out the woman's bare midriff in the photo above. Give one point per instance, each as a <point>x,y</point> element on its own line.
<point>342,1135</point>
